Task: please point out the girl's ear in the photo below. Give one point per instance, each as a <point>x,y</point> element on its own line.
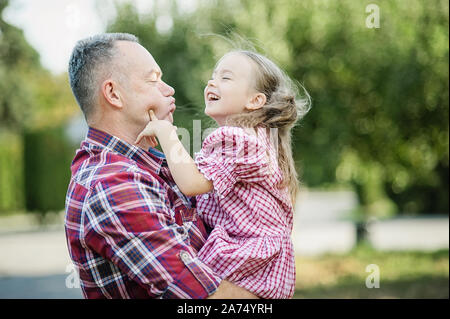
<point>256,102</point>
<point>111,93</point>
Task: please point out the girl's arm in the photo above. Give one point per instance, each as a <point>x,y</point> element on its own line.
<point>182,167</point>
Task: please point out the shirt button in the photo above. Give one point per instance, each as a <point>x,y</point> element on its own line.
<point>185,257</point>
<point>180,230</point>
<point>205,196</point>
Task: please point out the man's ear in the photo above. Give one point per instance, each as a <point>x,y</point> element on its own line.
<point>256,102</point>
<point>111,93</point>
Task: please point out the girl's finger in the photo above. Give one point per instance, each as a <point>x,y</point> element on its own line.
<point>139,138</point>
<point>154,142</point>
<point>152,115</point>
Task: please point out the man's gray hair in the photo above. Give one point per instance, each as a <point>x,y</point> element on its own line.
<point>85,66</point>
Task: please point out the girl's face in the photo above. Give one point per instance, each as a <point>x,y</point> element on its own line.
<point>230,89</point>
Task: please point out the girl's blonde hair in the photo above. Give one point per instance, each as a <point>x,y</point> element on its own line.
<point>281,111</point>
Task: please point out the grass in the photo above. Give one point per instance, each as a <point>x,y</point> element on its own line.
<point>402,274</point>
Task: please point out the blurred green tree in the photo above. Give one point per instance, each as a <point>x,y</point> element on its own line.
<point>379,121</point>
<point>33,105</point>
<point>361,130</point>
<point>17,57</point>
<point>380,117</point>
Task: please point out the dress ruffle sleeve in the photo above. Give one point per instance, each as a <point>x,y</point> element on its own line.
<point>230,155</point>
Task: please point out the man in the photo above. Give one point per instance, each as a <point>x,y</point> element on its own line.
<point>131,233</point>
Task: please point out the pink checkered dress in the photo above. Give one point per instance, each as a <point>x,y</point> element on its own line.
<point>251,217</point>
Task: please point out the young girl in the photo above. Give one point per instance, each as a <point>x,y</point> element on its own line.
<point>247,177</point>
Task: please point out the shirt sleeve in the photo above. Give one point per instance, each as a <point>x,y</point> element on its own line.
<point>230,155</point>
<point>129,223</point>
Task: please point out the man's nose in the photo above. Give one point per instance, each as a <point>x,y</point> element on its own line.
<point>210,83</point>
<point>166,89</point>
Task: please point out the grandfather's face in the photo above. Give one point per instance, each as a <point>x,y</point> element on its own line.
<point>145,90</point>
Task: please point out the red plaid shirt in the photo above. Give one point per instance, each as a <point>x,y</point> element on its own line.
<point>130,232</point>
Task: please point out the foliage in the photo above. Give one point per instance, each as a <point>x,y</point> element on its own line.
<point>47,169</point>
<point>381,100</point>
<point>403,274</point>
<point>31,99</point>
<point>17,58</point>
<point>184,56</point>
<point>379,120</point>
<point>11,174</point>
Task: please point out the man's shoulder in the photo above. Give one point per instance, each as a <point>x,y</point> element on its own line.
<point>105,166</point>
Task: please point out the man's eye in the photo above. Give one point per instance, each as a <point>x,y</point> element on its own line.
<point>225,78</point>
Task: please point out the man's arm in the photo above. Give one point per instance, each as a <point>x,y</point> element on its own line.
<point>228,290</point>
<point>128,223</point>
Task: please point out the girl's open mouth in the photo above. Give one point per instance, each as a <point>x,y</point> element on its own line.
<point>211,97</point>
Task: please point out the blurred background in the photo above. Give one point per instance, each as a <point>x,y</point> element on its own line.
<point>373,152</point>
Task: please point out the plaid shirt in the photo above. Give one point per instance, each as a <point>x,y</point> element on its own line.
<point>252,215</point>
<point>130,232</point>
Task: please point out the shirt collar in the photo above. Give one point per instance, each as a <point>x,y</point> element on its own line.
<point>152,157</point>
<point>157,153</point>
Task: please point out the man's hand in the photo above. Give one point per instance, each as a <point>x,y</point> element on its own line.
<point>154,129</point>
<point>228,290</point>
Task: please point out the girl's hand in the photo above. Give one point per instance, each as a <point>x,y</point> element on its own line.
<point>154,129</point>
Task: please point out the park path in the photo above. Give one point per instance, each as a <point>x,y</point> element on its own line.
<point>34,263</point>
